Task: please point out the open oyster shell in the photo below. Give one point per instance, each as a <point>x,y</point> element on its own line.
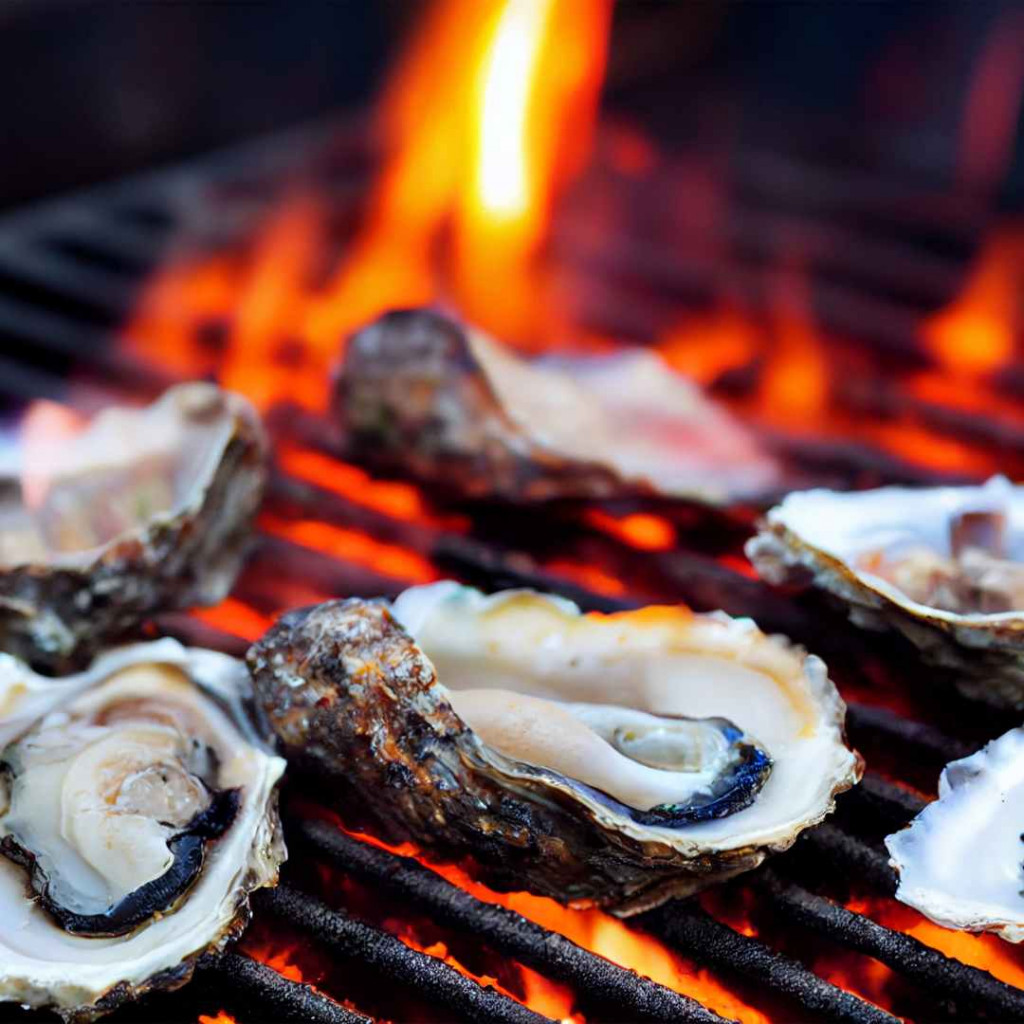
<point>961,860</point>
<point>147,510</point>
<point>618,760</point>
<point>932,563</point>
<point>419,394</point>
<point>138,813</point>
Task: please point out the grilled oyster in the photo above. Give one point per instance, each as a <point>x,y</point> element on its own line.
<point>137,814</point>
<point>961,860</point>
<point>944,566</point>
<point>420,394</point>
<point>617,760</point>
<point>146,510</point>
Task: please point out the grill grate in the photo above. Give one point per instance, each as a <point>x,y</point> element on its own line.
<point>68,274</point>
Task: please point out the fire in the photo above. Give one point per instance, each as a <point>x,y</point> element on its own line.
<point>475,123</point>
<point>639,529</point>
<point>220,1017</point>
<point>795,381</point>
<point>978,332</point>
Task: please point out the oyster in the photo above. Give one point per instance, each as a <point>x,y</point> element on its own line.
<point>420,394</point>
<point>944,566</point>
<point>617,759</point>
<point>137,814</point>
<point>961,860</point>
<point>147,510</point>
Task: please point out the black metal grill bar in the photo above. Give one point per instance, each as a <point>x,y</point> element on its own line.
<point>915,738</point>
<point>699,936</point>
<point>261,994</point>
<point>610,992</point>
<point>882,802</point>
<point>854,858</point>
<point>942,977</point>
<point>426,976</point>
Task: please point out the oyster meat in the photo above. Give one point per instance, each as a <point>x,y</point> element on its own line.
<point>610,759</point>
<point>961,860</point>
<point>944,566</point>
<point>137,814</point>
<point>419,394</point>
<point>146,510</point>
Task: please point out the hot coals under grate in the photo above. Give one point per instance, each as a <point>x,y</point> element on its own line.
<point>815,934</point>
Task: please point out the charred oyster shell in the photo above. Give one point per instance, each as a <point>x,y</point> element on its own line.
<point>421,395</point>
<point>961,860</point>
<point>147,510</point>
<point>944,566</point>
<point>138,813</point>
<point>579,778</point>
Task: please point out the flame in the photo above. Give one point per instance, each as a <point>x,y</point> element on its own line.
<point>220,1017</point>
<point>708,346</point>
<point>978,332</point>
<point>475,122</point>
<point>795,381</point>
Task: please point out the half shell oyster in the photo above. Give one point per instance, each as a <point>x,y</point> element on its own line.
<point>961,860</point>
<point>617,759</point>
<point>146,510</point>
<point>137,814</point>
<point>944,566</point>
<point>419,394</point>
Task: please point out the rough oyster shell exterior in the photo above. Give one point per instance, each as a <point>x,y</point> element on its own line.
<point>352,696</point>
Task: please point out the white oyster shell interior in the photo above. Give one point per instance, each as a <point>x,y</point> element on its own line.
<point>126,469</point>
<point>632,414</point>
<point>40,963</point>
<point>961,861</point>
<point>897,520</point>
<point>518,666</point>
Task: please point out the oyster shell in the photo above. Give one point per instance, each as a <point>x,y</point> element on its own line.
<point>147,510</point>
<point>940,565</point>
<point>420,394</point>
<point>137,814</point>
<point>961,860</point>
<point>552,745</point>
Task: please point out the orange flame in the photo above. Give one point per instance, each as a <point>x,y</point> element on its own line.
<point>221,1017</point>
<point>978,332</point>
<point>475,122</point>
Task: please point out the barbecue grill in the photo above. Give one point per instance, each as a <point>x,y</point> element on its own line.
<point>361,930</point>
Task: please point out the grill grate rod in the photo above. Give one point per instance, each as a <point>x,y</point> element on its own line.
<point>611,992</point>
<point>936,973</point>
<point>687,928</point>
<point>261,994</point>
<point>426,976</point>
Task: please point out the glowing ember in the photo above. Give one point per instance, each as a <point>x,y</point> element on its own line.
<point>639,530</point>
<point>234,617</point>
<point>221,1017</point>
<point>352,546</point>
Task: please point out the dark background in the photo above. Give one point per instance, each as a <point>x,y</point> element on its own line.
<point>93,91</point>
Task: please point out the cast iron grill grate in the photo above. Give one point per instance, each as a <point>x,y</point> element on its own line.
<point>69,273</point>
